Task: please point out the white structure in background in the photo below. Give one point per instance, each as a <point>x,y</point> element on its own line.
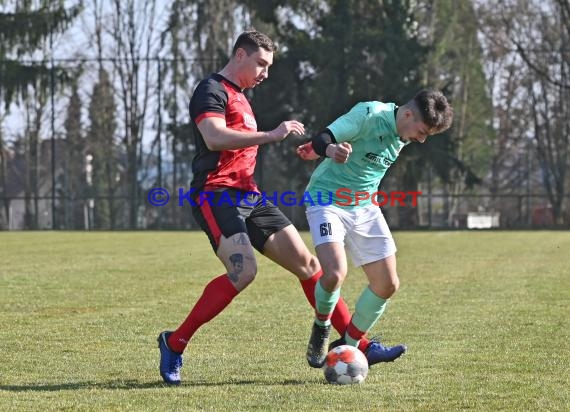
<point>90,204</point>
<point>482,220</point>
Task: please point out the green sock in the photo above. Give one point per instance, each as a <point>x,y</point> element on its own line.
<point>325,303</point>
<point>368,310</point>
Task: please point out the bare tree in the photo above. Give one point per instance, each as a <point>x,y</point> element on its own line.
<point>536,36</point>
<point>455,64</point>
<point>134,33</point>
<point>199,37</point>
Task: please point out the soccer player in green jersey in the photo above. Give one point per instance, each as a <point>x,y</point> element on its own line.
<point>359,148</point>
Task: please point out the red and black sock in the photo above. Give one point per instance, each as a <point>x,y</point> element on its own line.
<point>216,296</point>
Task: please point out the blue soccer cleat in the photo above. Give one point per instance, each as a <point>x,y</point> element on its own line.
<point>376,352</point>
<point>170,361</point>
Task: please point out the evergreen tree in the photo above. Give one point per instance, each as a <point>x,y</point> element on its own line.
<point>102,146</point>
<point>333,54</point>
<point>74,164</point>
<point>26,27</point>
<point>454,64</point>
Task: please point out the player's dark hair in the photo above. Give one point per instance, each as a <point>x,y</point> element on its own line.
<point>433,109</point>
<point>252,40</point>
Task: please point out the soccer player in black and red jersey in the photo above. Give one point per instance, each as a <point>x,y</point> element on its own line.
<point>236,219</point>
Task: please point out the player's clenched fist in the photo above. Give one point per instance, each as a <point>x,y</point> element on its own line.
<point>339,152</point>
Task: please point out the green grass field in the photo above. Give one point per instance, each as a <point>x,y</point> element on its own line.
<point>485,315</point>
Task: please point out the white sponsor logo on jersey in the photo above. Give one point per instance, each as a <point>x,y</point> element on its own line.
<point>249,121</point>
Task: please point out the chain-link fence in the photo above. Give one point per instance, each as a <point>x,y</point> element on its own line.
<point>48,180</point>
<point>434,211</point>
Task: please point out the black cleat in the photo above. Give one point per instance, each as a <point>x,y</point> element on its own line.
<point>317,348</point>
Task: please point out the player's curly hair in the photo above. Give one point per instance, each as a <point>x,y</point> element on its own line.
<point>433,109</point>
<point>252,40</point>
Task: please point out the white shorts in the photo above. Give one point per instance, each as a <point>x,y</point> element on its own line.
<point>364,230</point>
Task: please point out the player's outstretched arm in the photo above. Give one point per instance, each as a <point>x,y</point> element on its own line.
<point>286,128</point>
<point>218,136</point>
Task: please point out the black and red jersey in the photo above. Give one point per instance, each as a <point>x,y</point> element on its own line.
<point>216,96</point>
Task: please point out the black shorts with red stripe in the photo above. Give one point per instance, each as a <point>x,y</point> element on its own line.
<point>230,211</point>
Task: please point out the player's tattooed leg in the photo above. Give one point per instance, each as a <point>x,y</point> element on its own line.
<point>237,263</point>
<point>241,239</point>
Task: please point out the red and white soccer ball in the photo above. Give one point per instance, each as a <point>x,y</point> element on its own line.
<point>345,365</point>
